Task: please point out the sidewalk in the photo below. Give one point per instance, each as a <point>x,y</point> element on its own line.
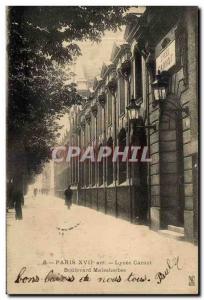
<point>50,236</point>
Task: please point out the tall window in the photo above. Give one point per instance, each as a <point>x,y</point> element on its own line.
<point>93,173</point>
<point>82,173</point>
<point>86,171</point>
<point>122,165</point>
<point>138,74</point>
<point>109,163</point>
<point>99,129</point>
<point>132,85</point>
<point>93,121</point>
<point>100,169</point>
<point>110,102</point>
<point>82,163</point>
<point>121,95</point>
<point>86,162</point>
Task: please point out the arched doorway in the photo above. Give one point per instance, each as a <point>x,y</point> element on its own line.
<point>171,163</point>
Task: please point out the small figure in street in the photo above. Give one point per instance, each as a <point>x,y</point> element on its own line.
<point>18,199</point>
<point>68,196</point>
<point>35,191</point>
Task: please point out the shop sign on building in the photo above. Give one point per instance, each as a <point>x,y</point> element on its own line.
<point>167,58</point>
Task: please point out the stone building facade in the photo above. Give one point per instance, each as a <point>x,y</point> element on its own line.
<point>162,193</point>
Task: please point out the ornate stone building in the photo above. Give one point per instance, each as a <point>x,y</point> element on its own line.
<point>146,96</point>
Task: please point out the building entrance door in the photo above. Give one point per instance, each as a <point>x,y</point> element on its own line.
<point>171,166</point>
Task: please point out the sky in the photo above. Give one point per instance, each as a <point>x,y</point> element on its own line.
<point>93,55</point>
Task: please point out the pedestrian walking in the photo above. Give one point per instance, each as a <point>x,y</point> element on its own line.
<point>68,196</point>
<point>18,198</point>
<point>10,203</point>
<point>35,192</point>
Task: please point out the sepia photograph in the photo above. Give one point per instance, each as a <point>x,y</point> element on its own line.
<point>102,150</point>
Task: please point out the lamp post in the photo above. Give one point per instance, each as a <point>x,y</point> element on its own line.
<point>160,93</point>
<point>133,110</point>
<point>160,87</point>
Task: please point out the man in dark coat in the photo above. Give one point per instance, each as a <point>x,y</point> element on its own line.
<point>68,196</point>
<point>18,198</point>
<point>10,203</point>
<point>35,191</point>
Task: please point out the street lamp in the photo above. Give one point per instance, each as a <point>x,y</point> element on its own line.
<point>160,87</point>
<point>133,109</point>
<point>160,90</point>
<point>133,112</point>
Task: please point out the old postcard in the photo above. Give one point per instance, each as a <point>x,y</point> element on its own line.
<point>102,150</point>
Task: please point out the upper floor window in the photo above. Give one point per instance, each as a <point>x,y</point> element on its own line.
<point>121,95</point>
<point>87,134</point>
<point>109,166</point>
<point>110,102</point>
<point>100,121</point>
<point>122,165</point>
<point>138,75</point>
<point>92,127</point>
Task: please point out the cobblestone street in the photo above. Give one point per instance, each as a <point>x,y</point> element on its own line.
<point>77,241</point>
